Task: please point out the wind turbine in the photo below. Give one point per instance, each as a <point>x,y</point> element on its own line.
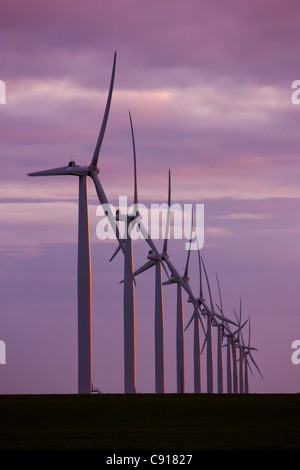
<point>201,308</point>
<point>84,262</point>
<point>129,296</point>
<point>131,220</point>
<point>156,261</point>
<point>245,352</point>
<point>128,292</point>
<point>222,324</point>
<point>180,365</point>
<point>221,332</point>
<point>212,320</point>
<point>175,276</point>
<point>232,345</point>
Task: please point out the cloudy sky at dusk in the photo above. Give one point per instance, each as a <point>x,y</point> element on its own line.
<point>209,87</point>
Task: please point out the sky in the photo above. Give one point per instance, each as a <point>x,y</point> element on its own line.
<point>209,88</point>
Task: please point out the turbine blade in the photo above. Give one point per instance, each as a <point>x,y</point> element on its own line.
<point>95,158</point>
<point>200,274</point>
<point>189,251</point>
<point>221,317</point>
<point>189,322</point>
<point>187,264</point>
<point>203,345</point>
<point>165,246</point>
<point>115,253</point>
<point>103,200</point>
<point>135,197</point>
<point>256,365</point>
<point>53,172</point>
<point>240,328</point>
<point>101,194</point>
<point>237,319</point>
<point>250,348</point>
<point>248,364</point>
<point>185,285</point>
<point>144,268</point>
<point>150,242</point>
<point>201,322</point>
<point>208,286</point>
<point>240,310</point>
<point>219,308</point>
<point>220,296</point>
<point>249,333</point>
<point>167,283</point>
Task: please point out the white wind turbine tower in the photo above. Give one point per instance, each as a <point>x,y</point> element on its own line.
<point>84,263</point>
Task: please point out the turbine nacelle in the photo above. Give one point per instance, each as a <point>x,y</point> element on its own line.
<point>152,256</point>
<point>172,280</point>
<point>200,301</point>
<point>126,217</point>
<point>93,170</point>
<point>70,169</point>
<point>78,170</point>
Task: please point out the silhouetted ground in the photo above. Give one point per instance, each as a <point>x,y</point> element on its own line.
<point>150,422</point>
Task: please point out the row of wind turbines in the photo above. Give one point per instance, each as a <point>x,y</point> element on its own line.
<point>204,316</point>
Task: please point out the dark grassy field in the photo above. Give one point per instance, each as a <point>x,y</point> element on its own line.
<point>150,422</point>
